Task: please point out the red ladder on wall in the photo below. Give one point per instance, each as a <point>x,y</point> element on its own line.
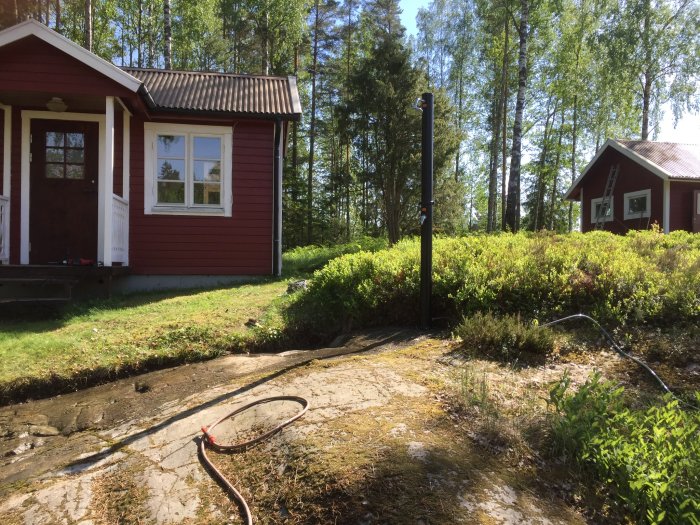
<point>607,196</point>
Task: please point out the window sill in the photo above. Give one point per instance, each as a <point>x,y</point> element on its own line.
<point>201,212</point>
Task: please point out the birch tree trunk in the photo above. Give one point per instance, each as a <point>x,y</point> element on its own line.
<point>513,202</point>
<point>88,25</point>
<point>167,34</point>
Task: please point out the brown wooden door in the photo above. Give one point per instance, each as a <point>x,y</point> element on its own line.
<point>696,211</point>
<point>63,191</point>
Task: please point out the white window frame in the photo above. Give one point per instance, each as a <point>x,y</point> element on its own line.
<point>607,218</point>
<point>633,195</point>
<point>150,193</point>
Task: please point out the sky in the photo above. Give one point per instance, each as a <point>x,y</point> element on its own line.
<point>687,130</point>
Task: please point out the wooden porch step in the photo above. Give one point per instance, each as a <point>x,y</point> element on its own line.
<point>35,300</point>
<point>30,289</point>
<point>37,280</point>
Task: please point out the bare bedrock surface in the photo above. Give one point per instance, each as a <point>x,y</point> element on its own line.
<point>62,458</point>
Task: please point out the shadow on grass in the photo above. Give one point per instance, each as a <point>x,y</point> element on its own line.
<point>43,318</point>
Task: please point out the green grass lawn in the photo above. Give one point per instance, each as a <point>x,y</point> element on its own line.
<point>134,332</point>
<point>45,352</point>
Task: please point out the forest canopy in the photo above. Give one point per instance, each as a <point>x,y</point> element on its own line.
<point>526,91</point>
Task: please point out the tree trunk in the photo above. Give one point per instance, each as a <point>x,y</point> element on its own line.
<point>648,77</point>
<point>504,118</point>
<point>139,38</point>
<point>312,129</point>
<point>555,181</point>
<point>513,200</point>
<point>574,131</point>
<point>58,16</point>
<point>493,161</point>
<point>542,171</point>
<point>167,35</point>
<point>460,109</point>
<point>88,25</point>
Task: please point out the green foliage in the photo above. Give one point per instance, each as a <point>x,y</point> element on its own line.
<point>644,277</point>
<point>649,459</point>
<point>307,259</point>
<point>505,338</point>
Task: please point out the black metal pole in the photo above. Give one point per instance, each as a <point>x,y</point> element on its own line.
<point>426,213</point>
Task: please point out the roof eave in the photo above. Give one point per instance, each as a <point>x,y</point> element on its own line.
<point>639,159</point>
<point>33,28</point>
<point>162,111</point>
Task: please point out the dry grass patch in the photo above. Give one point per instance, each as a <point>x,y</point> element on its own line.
<point>119,498</point>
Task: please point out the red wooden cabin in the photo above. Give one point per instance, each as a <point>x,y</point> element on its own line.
<point>657,183</point>
<point>167,173</point>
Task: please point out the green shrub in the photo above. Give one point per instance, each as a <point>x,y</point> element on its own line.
<point>304,260</point>
<point>649,459</point>
<point>505,338</point>
<point>644,277</point>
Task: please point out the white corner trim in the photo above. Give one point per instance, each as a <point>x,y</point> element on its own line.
<point>667,206</point>
<point>7,151</point>
<point>151,129</point>
<point>106,187</point>
<point>34,28</point>
<point>27,116</point>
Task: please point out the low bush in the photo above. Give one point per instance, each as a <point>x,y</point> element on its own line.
<point>304,260</point>
<point>506,338</point>
<point>649,460</point>
<point>644,277</point>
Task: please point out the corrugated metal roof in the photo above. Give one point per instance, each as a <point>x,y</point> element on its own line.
<point>681,161</point>
<point>220,92</point>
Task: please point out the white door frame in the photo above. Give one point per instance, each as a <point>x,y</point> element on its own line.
<point>27,116</point>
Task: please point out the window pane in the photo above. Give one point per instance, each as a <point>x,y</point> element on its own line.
<point>207,193</point>
<point>75,171</point>
<point>54,155</point>
<point>607,211</point>
<point>75,140</point>
<point>207,148</point>
<point>207,170</point>
<point>171,169</point>
<point>638,205</point>
<point>171,193</point>
<point>54,171</point>
<point>75,156</point>
<point>172,146</point>
<point>54,138</point>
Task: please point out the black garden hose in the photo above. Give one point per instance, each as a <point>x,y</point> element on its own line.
<point>208,440</point>
<point>620,351</point>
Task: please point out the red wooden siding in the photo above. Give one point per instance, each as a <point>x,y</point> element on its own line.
<point>195,245</point>
<point>632,177</point>
<point>681,213</point>
<point>2,149</point>
<point>30,64</point>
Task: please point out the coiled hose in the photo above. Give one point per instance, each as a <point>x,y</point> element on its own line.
<point>620,351</point>
<point>208,440</point>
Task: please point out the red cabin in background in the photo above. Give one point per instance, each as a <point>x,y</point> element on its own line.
<point>175,175</point>
<point>656,183</point>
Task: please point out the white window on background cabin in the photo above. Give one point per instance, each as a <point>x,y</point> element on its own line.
<point>605,215</point>
<point>187,169</point>
<point>637,204</point>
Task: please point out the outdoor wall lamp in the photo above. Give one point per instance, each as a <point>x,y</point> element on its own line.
<point>56,104</point>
